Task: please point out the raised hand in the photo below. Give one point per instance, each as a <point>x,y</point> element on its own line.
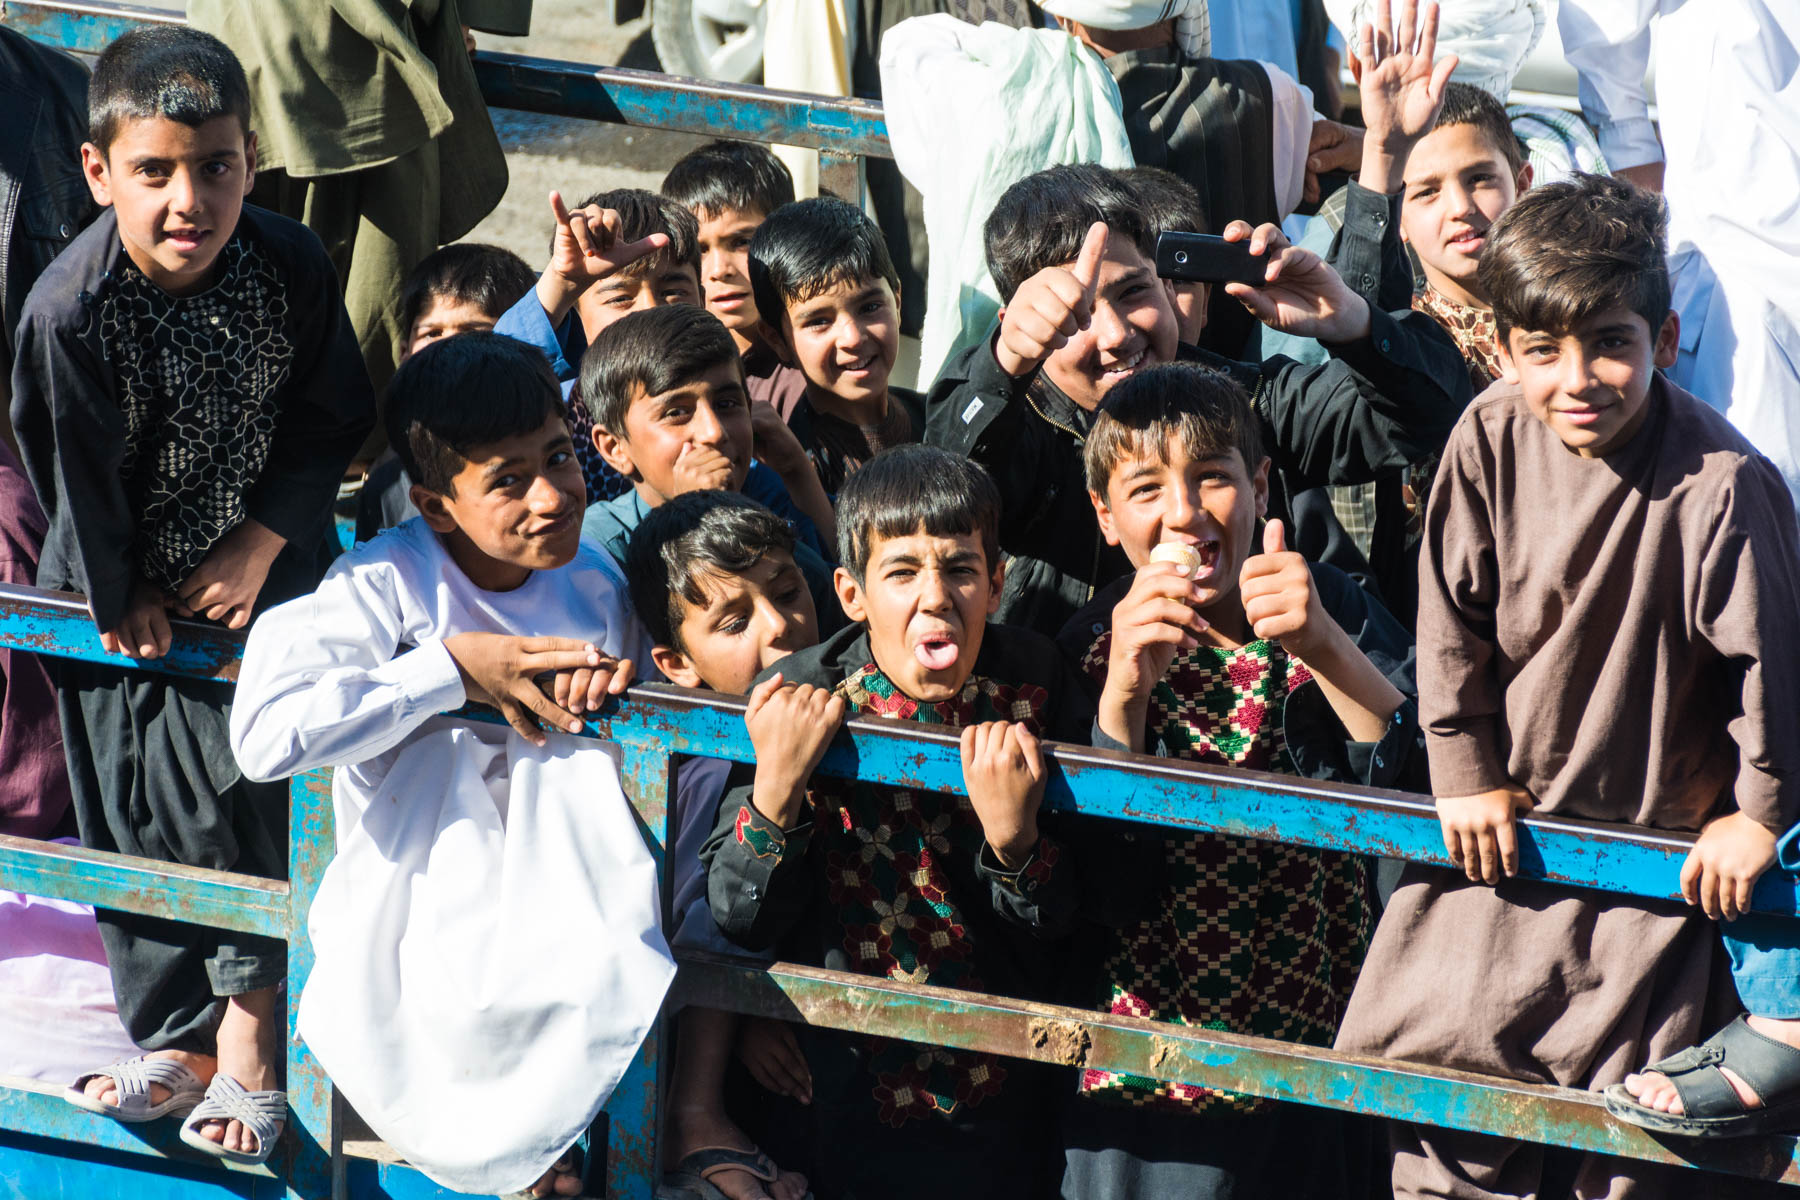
<point>1279,599</point>
<point>1050,308</point>
<point>1300,294</point>
<point>1155,621</point>
<point>1402,88</point>
<point>585,249</point>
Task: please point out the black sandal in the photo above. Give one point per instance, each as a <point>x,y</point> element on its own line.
<point>1711,1107</point>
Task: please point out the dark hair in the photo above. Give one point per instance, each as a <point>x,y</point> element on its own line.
<point>694,535</point>
<point>1466,104</point>
<point>657,350</point>
<point>729,176</point>
<point>1042,220</point>
<point>1570,250</point>
<point>459,394</point>
<point>1207,410</point>
<point>806,247</point>
<point>489,277</point>
<point>173,71</point>
<point>906,489</point>
<point>643,213</point>
<point>1171,202</point>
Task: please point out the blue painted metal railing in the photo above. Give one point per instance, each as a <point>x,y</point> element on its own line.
<point>48,1148</point>
<point>655,722</point>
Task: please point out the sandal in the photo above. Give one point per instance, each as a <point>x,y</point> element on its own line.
<point>1711,1107</point>
<point>692,1178</point>
<point>134,1077</point>
<point>263,1114</point>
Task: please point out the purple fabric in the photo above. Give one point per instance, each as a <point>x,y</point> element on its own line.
<point>34,781</point>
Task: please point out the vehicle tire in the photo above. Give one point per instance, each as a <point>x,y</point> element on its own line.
<point>709,39</point>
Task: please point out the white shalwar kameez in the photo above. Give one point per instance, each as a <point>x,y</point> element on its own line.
<point>489,949</point>
<point>1728,101</point>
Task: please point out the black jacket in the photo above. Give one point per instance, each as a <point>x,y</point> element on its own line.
<point>1375,406</point>
<point>71,427</point>
<point>44,201</point>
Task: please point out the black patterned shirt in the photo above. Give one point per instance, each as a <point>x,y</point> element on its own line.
<point>198,382</point>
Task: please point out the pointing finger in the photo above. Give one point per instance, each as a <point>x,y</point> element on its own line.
<point>558,209</point>
<point>1087,263</point>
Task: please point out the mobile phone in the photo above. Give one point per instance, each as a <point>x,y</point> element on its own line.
<point>1205,258</point>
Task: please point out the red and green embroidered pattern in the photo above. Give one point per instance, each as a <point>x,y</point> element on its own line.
<point>887,853</point>
<point>761,842</point>
<point>1250,937</point>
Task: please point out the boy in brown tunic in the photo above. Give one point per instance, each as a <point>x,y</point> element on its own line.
<point>1606,623</point>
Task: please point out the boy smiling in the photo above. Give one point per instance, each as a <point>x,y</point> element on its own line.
<point>952,890</point>
<point>822,273</point>
<point>1607,618</point>
<point>1224,647</point>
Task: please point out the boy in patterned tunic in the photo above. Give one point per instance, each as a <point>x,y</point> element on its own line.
<point>1214,652</point>
<point>946,889</point>
<point>187,394</point>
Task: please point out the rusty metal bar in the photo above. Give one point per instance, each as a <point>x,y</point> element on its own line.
<point>220,899</point>
<point>1076,1037</point>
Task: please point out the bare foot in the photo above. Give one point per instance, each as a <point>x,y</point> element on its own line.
<point>106,1090</point>
<point>1653,1089</point>
<point>560,1180</point>
<point>248,1041</point>
<point>691,1129</point>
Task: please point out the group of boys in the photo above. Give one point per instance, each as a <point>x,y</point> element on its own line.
<point>676,454</point>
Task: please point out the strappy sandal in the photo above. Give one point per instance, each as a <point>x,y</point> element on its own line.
<point>134,1076</point>
<point>263,1114</point>
<point>1711,1107</point>
<point>692,1178</point>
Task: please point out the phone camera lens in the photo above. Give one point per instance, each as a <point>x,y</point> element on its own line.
<point>1181,258</point>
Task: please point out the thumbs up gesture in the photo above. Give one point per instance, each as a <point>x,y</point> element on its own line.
<point>1050,309</point>
<point>1280,601</point>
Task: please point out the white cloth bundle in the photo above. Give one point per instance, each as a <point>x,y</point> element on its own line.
<point>1490,38</point>
<point>489,943</point>
<point>1193,29</point>
<point>971,110</point>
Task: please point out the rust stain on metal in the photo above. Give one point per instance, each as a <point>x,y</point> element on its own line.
<point>1162,1051</point>
<point>1066,1042</point>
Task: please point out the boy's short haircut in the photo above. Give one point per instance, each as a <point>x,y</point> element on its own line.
<point>655,351</point>
<point>491,278</point>
<point>1172,203</point>
<point>459,394</point>
<point>803,248</point>
<point>726,176</point>
<point>680,543</point>
<point>643,213</point>
<point>1570,250</point>
<point>1042,220</point>
<point>1466,104</point>
<point>172,71</point>
<point>1209,412</point>
<point>910,489</point>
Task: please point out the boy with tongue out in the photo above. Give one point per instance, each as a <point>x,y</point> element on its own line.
<point>954,890</point>
<point>1224,647</point>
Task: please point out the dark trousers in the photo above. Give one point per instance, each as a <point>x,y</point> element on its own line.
<point>152,775</point>
<point>1285,1152</point>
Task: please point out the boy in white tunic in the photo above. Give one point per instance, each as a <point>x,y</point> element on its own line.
<point>471,856</point>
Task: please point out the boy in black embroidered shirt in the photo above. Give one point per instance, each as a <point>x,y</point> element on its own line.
<point>187,394</point>
<point>925,888</point>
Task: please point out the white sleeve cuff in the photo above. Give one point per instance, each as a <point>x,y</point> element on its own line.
<point>1630,143</point>
<point>428,680</point>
